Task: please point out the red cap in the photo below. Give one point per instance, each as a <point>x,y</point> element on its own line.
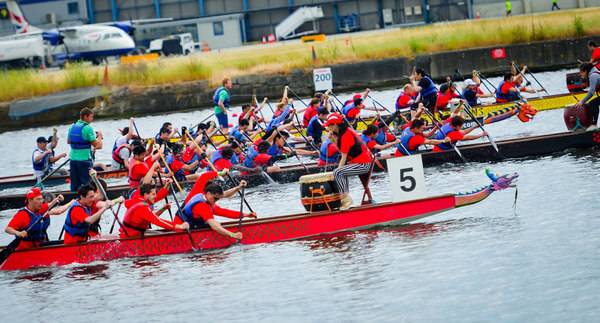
<point>334,118</point>
<point>34,192</point>
<point>357,96</point>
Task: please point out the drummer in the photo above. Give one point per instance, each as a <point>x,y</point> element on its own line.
<point>353,152</point>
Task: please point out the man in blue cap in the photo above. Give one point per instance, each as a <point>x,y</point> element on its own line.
<point>43,158</point>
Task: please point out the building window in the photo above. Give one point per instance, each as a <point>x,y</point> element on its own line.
<point>218,28</point>
<point>73,8</point>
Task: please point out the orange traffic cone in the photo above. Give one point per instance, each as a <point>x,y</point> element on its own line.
<point>105,79</point>
<point>67,64</point>
<point>264,39</point>
<point>478,16</point>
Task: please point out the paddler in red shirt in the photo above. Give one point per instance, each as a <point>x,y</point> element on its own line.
<point>80,216</point>
<point>200,208</point>
<point>352,151</point>
<point>27,216</point>
<point>414,136</point>
<point>453,130</point>
<point>140,164</point>
<point>140,216</point>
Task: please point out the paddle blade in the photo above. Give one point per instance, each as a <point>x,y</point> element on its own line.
<point>8,250</point>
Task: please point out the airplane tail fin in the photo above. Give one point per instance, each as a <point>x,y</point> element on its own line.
<point>18,20</point>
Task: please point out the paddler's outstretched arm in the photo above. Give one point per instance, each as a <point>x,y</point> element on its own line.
<point>230,192</point>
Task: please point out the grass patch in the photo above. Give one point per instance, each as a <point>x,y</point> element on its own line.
<point>281,59</point>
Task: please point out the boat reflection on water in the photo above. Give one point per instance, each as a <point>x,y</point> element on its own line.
<point>343,241</point>
<point>37,277</point>
<point>89,272</point>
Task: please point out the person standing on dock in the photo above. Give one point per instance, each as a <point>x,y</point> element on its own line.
<point>353,151</point>
<point>81,138</point>
<point>508,9</point>
<point>43,158</point>
<point>592,74</point>
<point>221,102</point>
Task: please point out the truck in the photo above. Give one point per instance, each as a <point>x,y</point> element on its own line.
<point>179,44</point>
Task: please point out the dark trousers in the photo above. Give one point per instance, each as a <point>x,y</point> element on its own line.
<point>555,5</point>
<point>80,173</point>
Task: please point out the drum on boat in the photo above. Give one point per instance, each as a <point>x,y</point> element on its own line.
<point>319,192</point>
<point>577,117</point>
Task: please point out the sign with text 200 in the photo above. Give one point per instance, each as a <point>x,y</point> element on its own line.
<point>407,180</point>
<point>323,79</point>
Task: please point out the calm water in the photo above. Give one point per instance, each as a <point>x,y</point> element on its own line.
<point>537,261</point>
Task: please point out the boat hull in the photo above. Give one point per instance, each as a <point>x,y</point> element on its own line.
<point>255,231</point>
<point>30,181</point>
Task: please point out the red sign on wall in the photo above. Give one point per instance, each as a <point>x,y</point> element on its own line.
<point>498,53</point>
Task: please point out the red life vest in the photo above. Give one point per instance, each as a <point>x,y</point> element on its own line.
<point>134,226</point>
<point>135,182</point>
<point>118,158</point>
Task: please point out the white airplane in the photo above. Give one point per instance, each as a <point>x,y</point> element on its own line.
<point>88,42</point>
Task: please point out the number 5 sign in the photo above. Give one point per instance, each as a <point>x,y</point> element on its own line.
<point>323,79</point>
<point>407,180</point>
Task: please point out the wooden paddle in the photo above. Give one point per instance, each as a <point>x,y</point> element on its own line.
<point>229,176</point>
<point>179,209</point>
<point>53,172</point>
<point>526,80</point>
<point>11,247</point>
<point>470,113</point>
<point>105,197</point>
<point>435,123</point>
<point>241,212</point>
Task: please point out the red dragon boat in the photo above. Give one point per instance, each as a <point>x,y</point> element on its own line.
<point>270,229</point>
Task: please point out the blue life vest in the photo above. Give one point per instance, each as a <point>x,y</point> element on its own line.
<point>429,90</point>
<point>251,153</point>
<point>169,159</point>
<point>43,163</point>
<point>471,103</point>
<point>236,134</point>
<point>216,97</point>
<point>273,151</point>
<point>404,139</point>
<point>367,140</point>
<point>235,159</point>
<point>36,232</point>
<point>79,229</point>
<point>446,129</point>
<point>381,137</point>
<point>314,128</point>
<point>510,96</point>
<point>187,216</point>
<point>347,109</point>
<point>76,137</point>
<point>216,155</point>
<point>323,152</point>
